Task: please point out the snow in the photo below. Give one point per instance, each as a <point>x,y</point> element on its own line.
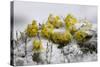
<point>70,53</point>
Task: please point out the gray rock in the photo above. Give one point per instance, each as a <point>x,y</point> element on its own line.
<point>19,61</point>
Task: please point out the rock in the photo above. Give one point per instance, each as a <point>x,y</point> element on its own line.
<point>19,61</point>
<point>37,57</point>
<point>19,52</point>
<point>72,48</point>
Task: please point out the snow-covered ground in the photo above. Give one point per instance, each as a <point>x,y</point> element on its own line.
<point>70,53</point>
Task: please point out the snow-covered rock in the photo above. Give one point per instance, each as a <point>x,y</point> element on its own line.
<point>19,61</point>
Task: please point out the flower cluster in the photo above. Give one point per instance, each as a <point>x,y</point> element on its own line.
<point>37,45</point>
<point>32,29</point>
<point>55,21</point>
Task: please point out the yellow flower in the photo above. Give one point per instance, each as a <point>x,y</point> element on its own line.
<point>80,35</point>
<point>70,21</point>
<point>61,37</point>
<point>32,29</point>
<point>46,30</point>
<point>72,30</point>
<point>55,21</point>
<point>37,46</point>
